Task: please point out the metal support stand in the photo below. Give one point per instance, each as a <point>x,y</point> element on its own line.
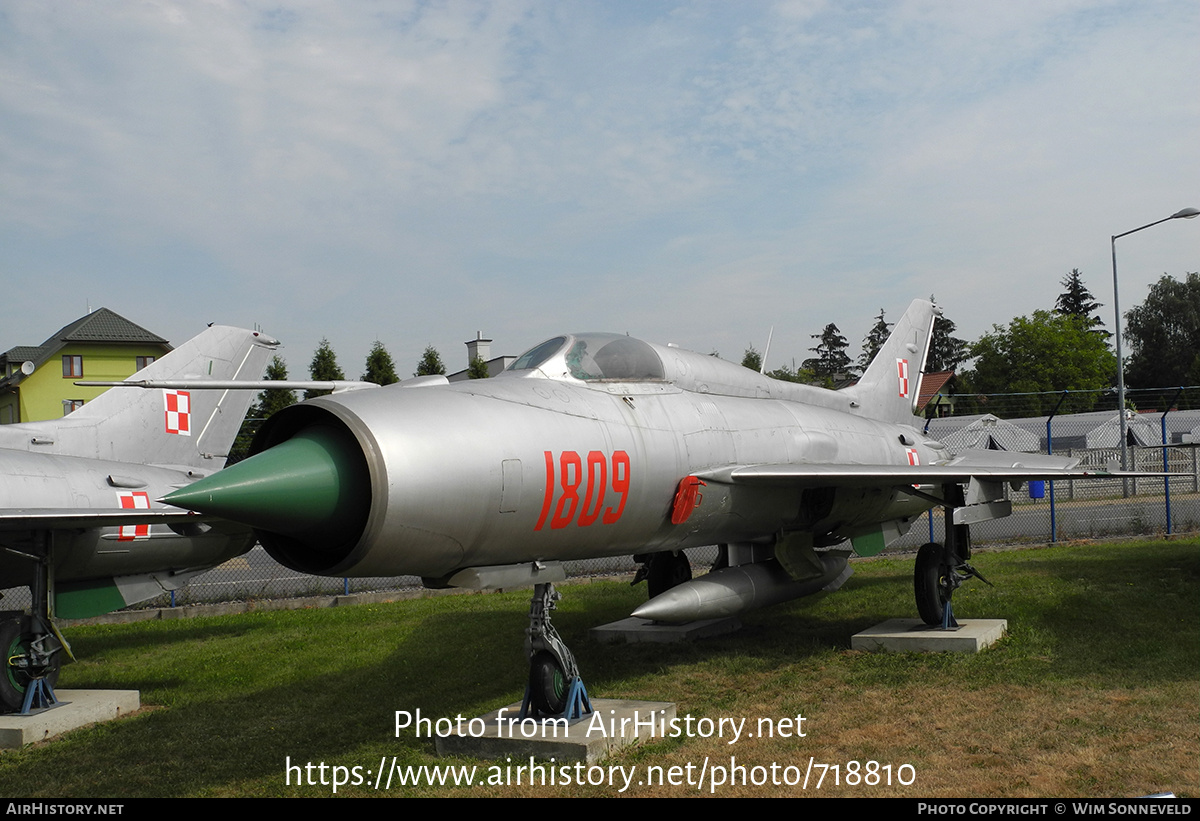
<point>577,705</point>
<point>948,622</point>
<point>39,695</point>
<point>555,688</point>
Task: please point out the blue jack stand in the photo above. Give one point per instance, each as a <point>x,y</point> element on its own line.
<point>578,703</point>
<point>948,622</point>
<point>39,695</point>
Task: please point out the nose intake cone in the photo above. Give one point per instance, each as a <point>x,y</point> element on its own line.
<point>313,485</point>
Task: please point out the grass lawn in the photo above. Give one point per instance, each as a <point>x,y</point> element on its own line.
<point>1096,691</point>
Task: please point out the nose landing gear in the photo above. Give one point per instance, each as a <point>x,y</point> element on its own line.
<point>555,688</point>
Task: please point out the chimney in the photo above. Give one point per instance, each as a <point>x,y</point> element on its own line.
<point>479,347</point>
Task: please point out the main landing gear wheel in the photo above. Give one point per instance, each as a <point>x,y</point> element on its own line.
<point>931,583</point>
<point>667,570</point>
<point>547,684</point>
<point>662,571</point>
<point>15,644</point>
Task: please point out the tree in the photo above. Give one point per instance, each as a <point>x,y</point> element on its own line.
<point>324,367</point>
<point>1077,300</point>
<point>831,358</point>
<point>873,341</point>
<point>269,402</point>
<point>380,368</point>
<point>792,374</point>
<point>431,363</point>
<point>1045,353</point>
<point>273,400</point>
<point>477,369</point>
<point>752,359</point>
<point>946,351</point>
<point>1164,335</point>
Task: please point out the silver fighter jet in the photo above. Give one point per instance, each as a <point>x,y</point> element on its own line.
<point>79,523</point>
<point>594,445</point>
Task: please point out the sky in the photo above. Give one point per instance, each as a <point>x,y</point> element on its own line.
<point>687,172</point>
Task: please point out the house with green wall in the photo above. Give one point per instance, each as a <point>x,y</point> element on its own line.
<point>38,382</point>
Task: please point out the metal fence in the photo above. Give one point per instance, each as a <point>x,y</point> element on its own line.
<point>1162,439</point>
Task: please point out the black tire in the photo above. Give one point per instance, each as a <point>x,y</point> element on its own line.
<point>547,684</point>
<point>929,583</point>
<point>722,560</point>
<point>667,570</point>
<point>14,682</point>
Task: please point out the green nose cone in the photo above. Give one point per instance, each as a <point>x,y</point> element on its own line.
<point>314,484</point>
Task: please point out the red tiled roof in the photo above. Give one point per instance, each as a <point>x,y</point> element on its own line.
<point>931,385</point>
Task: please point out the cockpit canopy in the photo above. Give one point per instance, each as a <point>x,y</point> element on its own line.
<point>593,357</point>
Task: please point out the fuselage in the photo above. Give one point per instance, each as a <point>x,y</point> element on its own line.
<point>572,457</point>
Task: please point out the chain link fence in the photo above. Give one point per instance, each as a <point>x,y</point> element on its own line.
<point>1161,437</point>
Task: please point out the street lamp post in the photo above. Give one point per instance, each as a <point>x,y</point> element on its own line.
<point>1186,213</point>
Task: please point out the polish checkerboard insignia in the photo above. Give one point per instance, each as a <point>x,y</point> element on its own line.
<point>133,500</point>
<point>902,377</point>
<point>178,412</point>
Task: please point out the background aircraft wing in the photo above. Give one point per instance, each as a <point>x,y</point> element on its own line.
<point>337,386</point>
<point>57,518</point>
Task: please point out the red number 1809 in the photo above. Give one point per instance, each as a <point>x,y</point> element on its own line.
<point>583,488</point>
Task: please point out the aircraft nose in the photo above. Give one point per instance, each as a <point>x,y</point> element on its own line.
<point>308,487</point>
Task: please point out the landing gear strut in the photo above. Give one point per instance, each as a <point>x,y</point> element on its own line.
<point>942,568</point>
<point>31,666</point>
<point>32,651</point>
<point>555,689</point>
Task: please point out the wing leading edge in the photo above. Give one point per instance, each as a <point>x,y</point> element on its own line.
<point>58,518</point>
<point>989,466</point>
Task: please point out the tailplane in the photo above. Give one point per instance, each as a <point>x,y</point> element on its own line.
<point>888,390</point>
<point>181,428</point>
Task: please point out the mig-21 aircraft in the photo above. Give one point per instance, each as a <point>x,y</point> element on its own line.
<point>594,445</point>
<point>76,523</point>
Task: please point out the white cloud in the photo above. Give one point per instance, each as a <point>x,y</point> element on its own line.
<point>693,171</point>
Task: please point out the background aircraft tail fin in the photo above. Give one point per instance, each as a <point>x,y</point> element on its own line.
<point>889,389</point>
<point>184,428</point>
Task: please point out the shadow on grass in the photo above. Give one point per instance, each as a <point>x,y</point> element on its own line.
<point>244,694</point>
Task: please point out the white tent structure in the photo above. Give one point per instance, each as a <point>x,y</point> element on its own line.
<point>993,433</point>
<point>1108,434</point>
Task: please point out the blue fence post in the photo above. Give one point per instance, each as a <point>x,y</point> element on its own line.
<point>1167,479</point>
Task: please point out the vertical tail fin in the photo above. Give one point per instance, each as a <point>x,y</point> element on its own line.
<point>184,428</point>
<point>889,389</point>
